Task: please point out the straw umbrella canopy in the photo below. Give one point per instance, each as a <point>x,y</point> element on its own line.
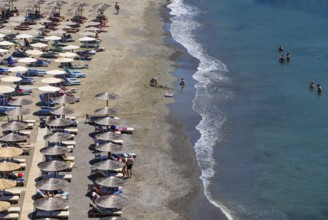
<point>53,166</point>
<point>106,96</point>
<point>9,166</point>
<point>39,45</point>
<point>68,54</point>
<point>6,89</point>
<point>22,36</point>
<point>51,184</point>
<point>108,165</point>
<point>63,60</point>
<point>51,204</point>
<point>58,32</point>
<point>63,26</point>
<point>109,147</point>
<point>107,121</point>
<point>4,205</point>
<point>63,99</point>
<point>53,151</point>
<point>59,122</point>
<point>17,19</point>
<point>56,72</point>
<point>70,23</point>
<point>49,88</point>
<point>12,137</point>
<point>18,69</point>
<point>7,184</point>
<point>11,79</point>
<point>27,60</point>
<point>87,33</point>
<point>51,80</point>
<point>110,181</point>
<point>108,136</point>
<point>70,47</point>
<point>106,111</point>
<point>111,201</point>
<point>18,111</point>
<point>87,39</point>
<point>62,111</point>
<point>14,126</point>
<point>6,43</point>
<point>57,137</point>
<point>52,38</point>
<point>34,52</point>
<point>21,102</point>
<point>92,23</point>
<point>7,152</point>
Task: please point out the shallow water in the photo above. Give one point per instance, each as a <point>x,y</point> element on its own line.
<point>262,143</point>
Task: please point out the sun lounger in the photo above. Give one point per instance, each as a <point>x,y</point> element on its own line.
<point>98,212</point>
<point>56,214</point>
<point>13,191</point>
<point>69,142</point>
<point>13,209</point>
<point>125,130</point>
<point>71,130</point>
<point>74,73</point>
<point>71,81</point>
<point>30,121</point>
<point>7,215</point>
<point>11,199</point>
<point>25,132</point>
<point>35,72</point>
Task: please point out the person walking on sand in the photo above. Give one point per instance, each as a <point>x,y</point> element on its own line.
<point>117,8</point>
<point>129,164</point>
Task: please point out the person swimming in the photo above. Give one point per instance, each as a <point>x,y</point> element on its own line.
<point>280,48</point>
<point>282,58</point>
<point>182,82</point>
<point>312,85</point>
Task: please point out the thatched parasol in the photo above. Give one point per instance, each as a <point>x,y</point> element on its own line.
<point>51,184</point>
<point>108,136</point>
<point>59,122</point>
<point>57,137</point>
<point>53,166</point>
<point>51,204</point>
<point>7,184</point>
<point>4,205</point>
<point>111,201</point>
<point>109,147</point>
<point>63,99</point>
<point>106,111</point>
<point>7,152</point>
<point>9,166</point>
<point>108,165</point>
<point>52,151</point>
<point>14,126</point>
<point>110,181</point>
<point>12,137</point>
<point>107,121</point>
<point>21,102</point>
<point>62,111</point>
<point>18,111</point>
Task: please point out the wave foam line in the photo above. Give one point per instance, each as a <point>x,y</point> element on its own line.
<point>183,28</point>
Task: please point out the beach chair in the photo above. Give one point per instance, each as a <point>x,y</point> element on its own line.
<point>41,63</point>
<point>74,73</point>
<point>49,214</point>
<point>99,212</point>
<point>45,101</point>
<point>7,215</point>
<point>4,70</point>
<point>35,72</point>
<point>10,198</point>
<point>70,81</point>
<point>25,79</point>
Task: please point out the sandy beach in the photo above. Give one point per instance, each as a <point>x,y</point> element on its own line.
<point>165,183</point>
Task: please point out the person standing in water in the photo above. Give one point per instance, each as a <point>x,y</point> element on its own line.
<point>319,88</point>
<point>288,57</point>
<point>182,82</point>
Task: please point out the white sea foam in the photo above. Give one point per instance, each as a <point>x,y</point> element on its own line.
<point>183,30</point>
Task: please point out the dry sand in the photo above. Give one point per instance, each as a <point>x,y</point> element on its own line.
<point>165,175</point>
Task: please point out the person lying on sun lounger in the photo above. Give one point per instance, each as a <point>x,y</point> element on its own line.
<point>101,191</point>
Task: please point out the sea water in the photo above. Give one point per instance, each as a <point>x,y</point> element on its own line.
<point>261,135</point>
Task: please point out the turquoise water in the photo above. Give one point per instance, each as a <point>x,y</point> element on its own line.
<point>263,144</point>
